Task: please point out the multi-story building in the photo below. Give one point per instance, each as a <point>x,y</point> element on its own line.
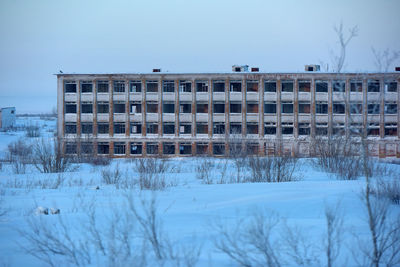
<point>157,114</point>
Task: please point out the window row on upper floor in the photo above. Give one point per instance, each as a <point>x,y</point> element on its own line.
<point>233,86</point>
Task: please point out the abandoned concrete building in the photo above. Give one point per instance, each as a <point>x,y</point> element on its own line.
<point>177,114</point>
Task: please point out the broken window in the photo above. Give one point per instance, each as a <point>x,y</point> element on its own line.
<point>270,107</point>
<point>304,129</point>
<point>218,149</point>
<point>252,149</point>
<point>321,107</point>
<point>185,107</point>
<point>168,148</point>
<point>168,86</point>
<point>201,148</point>
<point>339,86</point>
<point>87,128</point>
<point>185,149</point>
<point>70,107</point>
<point>201,108</point>
<point>103,148</point>
<point>339,108</point>
<point>135,107</point>
<point>168,128</point>
<point>70,87</point>
<point>356,128</point>
<point>287,107</point>
<point>373,108</point>
<point>356,86</point>
<point>391,129</point>
<point>252,86</point>
<point>355,108</point>
<point>321,129</point>
<point>390,108</point>
<point>304,86</point>
<point>119,86</point>
<point>201,128</point>
<point>152,86</point>
<point>235,107</point>
<point>136,148</point>
<point>252,128</point>
<point>102,107</point>
<point>270,86</point>
<point>219,107</point>
<point>70,128</point>
<point>218,86</point>
<point>119,107</point>
<point>185,86</point>
<point>119,148</point>
<point>390,86</point>
<point>219,128</point>
<point>270,128</point>
<point>119,128</point>
<point>86,87</point>
<point>152,148</point>
<point>235,128</point>
<point>287,86</point>
<point>304,107</point>
<point>373,86</point>
<point>152,107</point>
<point>86,107</point>
<point>338,129</point>
<point>168,107</point>
<point>373,129</point>
<point>185,128</point>
<point>252,107</point>
<point>201,86</point>
<point>102,86</point>
<point>135,86</point>
<point>70,148</point>
<point>103,128</point>
<point>86,148</point>
<point>152,128</point>
<point>287,128</point>
<point>235,86</point>
<point>136,128</point>
<point>321,86</point>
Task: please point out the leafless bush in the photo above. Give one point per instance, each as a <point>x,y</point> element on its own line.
<point>272,169</point>
<point>111,176</point>
<point>338,156</point>
<point>204,169</point>
<point>99,161</point>
<point>334,233</point>
<point>387,189</point>
<point>151,173</point>
<point>223,170</point>
<point>32,130</point>
<point>19,155</point>
<point>44,183</point>
<point>47,157</point>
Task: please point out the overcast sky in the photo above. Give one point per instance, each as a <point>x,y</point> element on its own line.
<point>39,38</point>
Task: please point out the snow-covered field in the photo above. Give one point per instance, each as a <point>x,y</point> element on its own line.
<point>188,210</point>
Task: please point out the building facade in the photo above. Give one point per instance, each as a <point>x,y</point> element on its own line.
<point>166,114</point>
<point>7,118</point>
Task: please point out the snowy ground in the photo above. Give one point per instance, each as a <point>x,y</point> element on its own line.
<point>188,209</point>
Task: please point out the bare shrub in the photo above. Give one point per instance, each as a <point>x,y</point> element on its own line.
<point>204,169</point>
<point>387,189</point>
<point>32,130</point>
<point>19,155</point>
<point>223,170</point>
<point>151,173</point>
<point>334,233</point>
<point>339,156</point>
<point>111,176</point>
<point>99,161</point>
<point>272,169</point>
<point>47,156</point>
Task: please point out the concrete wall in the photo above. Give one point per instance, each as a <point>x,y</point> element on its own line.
<point>7,118</point>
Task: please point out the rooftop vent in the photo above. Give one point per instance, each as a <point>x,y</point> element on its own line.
<point>255,69</point>
<point>156,70</point>
<point>312,68</point>
<point>397,69</point>
<point>240,68</point>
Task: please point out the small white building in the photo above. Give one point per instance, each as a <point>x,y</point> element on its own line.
<point>7,118</point>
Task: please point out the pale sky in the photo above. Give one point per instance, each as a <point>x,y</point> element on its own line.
<point>40,37</point>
